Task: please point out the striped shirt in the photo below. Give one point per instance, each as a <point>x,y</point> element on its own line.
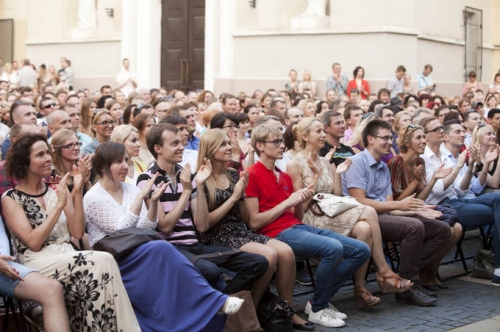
<point>184,232</point>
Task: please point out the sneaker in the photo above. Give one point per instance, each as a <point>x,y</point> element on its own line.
<point>336,313</point>
<point>495,281</point>
<point>326,318</point>
<point>232,305</point>
<point>303,277</point>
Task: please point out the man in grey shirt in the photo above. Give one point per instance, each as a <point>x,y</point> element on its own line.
<point>68,76</point>
<point>337,82</point>
<point>27,75</point>
<point>396,83</point>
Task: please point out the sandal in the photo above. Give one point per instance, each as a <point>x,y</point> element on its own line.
<point>364,299</point>
<point>398,284</point>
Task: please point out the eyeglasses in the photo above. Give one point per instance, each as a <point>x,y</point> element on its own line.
<point>106,123</point>
<point>231,127</point>
<point>48,106</point>
<point>277,142</point>
<point>70,146</point>
<point>386,138</point>
<point>435,130</point>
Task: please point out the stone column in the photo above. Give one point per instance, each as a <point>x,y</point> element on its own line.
<point>129,33</point>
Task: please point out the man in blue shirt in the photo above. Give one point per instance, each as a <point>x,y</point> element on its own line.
<point>409,221</point>
<point>425,81</point>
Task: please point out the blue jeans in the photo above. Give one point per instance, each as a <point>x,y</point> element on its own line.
<point>481,211</point>
<point>340,255</point>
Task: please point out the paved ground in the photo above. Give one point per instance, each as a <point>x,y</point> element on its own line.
<point>470,305</point>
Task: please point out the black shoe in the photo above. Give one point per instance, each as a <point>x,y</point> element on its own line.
<point>303,277</point>
<point>416,297</point>
<point>307,326</point>
<point>432,288</point>
<point>426,290</point>
<point>442,286</point>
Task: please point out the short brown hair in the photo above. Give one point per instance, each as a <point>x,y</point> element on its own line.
<point>155,136</point>
<point>105,155</point>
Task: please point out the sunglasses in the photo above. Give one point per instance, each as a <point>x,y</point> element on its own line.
<point>435,130</point>
<point>366,115</point>
<point>49,106</point>
<point>412,126</point>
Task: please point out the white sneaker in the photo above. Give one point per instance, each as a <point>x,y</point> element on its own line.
<point>232,305</point>
<point>336,313</point>
<point>326,318</point>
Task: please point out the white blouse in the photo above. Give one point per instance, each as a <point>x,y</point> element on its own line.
<point>105,215</point>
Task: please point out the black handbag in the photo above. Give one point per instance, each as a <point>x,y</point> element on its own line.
<point>274,314</point>
<point>124,241</point>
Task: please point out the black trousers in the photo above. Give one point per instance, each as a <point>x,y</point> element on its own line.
<point>247,267</point>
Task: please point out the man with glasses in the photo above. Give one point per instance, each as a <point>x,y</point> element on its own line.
<point>275,210</point>
<point>409,221</point>
<point>46,106</point>
<point>460,187</point>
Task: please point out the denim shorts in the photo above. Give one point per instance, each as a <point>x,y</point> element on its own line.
<point>7,285</point>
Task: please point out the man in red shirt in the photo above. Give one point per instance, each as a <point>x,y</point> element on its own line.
<point>275,210</point>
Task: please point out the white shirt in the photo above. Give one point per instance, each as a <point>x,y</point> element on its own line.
<point>432,162</point>
<point>122,77</point>
<point>191,157</point>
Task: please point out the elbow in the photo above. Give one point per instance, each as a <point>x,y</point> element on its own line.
<point>253,226</point>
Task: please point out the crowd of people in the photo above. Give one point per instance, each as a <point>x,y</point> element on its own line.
<point>231,184</point>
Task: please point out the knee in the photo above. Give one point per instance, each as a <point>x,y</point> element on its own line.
<point>332,249</point>
<point>53,291</point>
<point>456,231</point>
<point>371,214</point>
<point>363,230</point>
<point>209,271</point>
<point>286,255</point>
<point>271,256</point>
<point>415,228</point>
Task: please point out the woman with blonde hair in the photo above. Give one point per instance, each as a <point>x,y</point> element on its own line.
<point>307,107</point>
<point>128,135</point>
<point>307,84</point>
<point>8,74</point>
<point>87,110</point>
<point>401,120</point>
<point>225,191</point>
<point>356,142</point>
<point>485,136</point>
<point>102,126</point>
<point>361,222</point>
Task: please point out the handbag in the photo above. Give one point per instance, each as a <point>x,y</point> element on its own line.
<point>245,320</point>
<point>274,314</point>
<point>331,205</point>
<point>122,242</point>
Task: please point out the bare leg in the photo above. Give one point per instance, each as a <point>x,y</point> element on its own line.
<point>429,277</point>
<point>49,293</point>
<point>260,285</point>
<point>362,232</point>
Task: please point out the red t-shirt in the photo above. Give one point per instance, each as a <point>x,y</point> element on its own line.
<point>263,185</point>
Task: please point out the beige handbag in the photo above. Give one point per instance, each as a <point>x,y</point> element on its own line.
<point>332,205</point>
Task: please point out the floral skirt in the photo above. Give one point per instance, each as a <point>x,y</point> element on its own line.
<point>95,297</point>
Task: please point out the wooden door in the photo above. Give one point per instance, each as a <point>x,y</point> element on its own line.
<point>183,44</point>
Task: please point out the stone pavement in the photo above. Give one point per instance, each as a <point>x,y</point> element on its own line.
<point>469,304</point>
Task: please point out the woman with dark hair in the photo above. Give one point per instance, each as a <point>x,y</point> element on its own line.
<point>102,126</point>
<point>359,83</point>
<point>321,107</point>
<point>88,108</point>
<point>495,86</point>
<point>253,115</point>
<point>472,84</point>
<point>101,102</point>
<point>144,123</point>
<point>42,218</point>
<point>242,132</point>
<point>115,110</point>
<point>143,109</point>
<point>166,290</point>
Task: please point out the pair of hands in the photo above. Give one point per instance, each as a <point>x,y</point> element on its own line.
<point>418,206</point>
<point>439,173</point>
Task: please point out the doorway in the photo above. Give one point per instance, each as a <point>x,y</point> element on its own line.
<point>183,44</point>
